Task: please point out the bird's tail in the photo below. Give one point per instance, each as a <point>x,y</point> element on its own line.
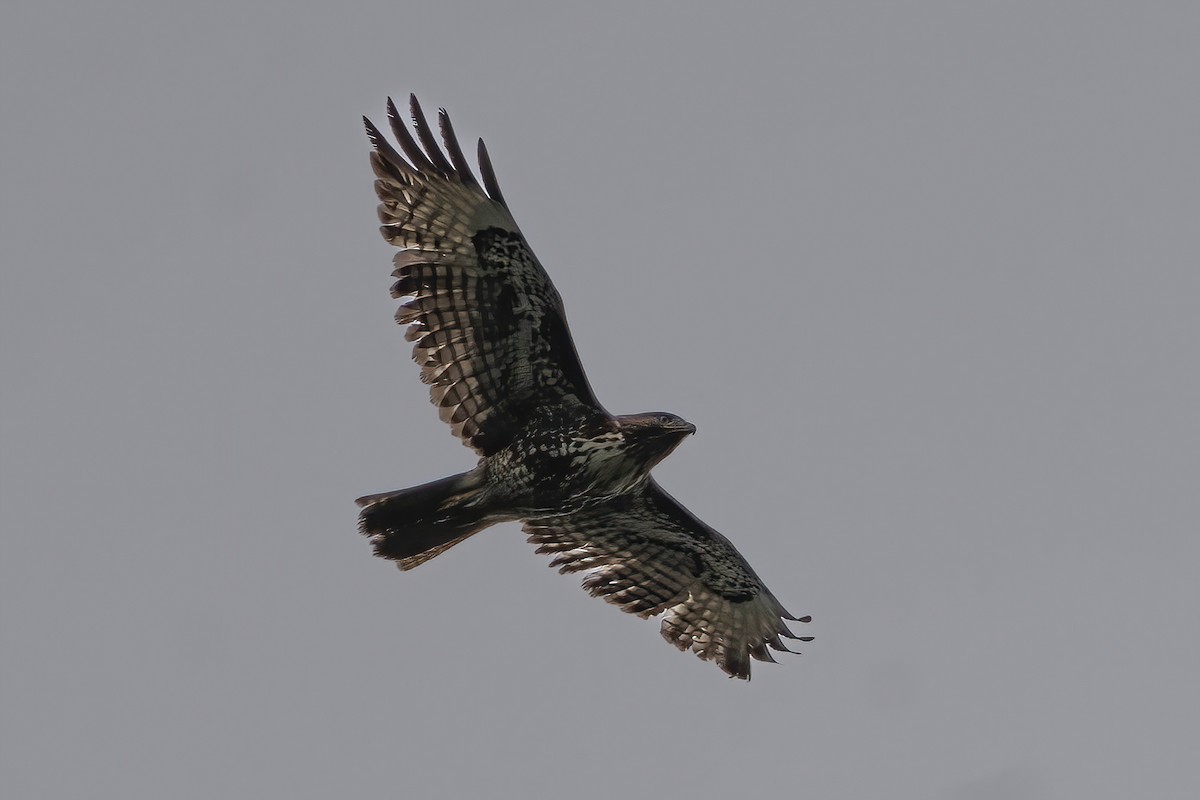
<point>411,526</point>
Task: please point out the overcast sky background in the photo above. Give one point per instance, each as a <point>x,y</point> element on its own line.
<point>926,276</point>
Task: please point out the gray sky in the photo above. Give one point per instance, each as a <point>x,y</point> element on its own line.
<point>924,275</point>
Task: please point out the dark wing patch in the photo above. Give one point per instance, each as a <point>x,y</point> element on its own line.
<point>490,330</point>
<point>647,554</point>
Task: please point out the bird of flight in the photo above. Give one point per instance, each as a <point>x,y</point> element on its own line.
<point>492,342</point>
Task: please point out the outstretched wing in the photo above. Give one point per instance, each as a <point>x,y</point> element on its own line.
<point>648,554</point>
<point>490,331</point>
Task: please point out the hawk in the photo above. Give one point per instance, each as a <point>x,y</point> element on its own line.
<point>491,339</point>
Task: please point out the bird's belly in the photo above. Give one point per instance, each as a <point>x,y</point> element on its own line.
<point>563,479</point>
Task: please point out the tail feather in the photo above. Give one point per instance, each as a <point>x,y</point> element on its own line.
<point>411,526</point>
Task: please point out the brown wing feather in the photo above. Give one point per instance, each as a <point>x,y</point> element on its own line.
<point>647,554</point>
<point>490,330</point>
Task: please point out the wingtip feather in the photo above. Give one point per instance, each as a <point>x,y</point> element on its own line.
<point>488,173</point>
<point>461,165</point>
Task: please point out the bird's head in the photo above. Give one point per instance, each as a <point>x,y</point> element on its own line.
<point>656,433</point>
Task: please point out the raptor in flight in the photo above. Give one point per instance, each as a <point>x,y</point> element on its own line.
<point>492,341</point>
